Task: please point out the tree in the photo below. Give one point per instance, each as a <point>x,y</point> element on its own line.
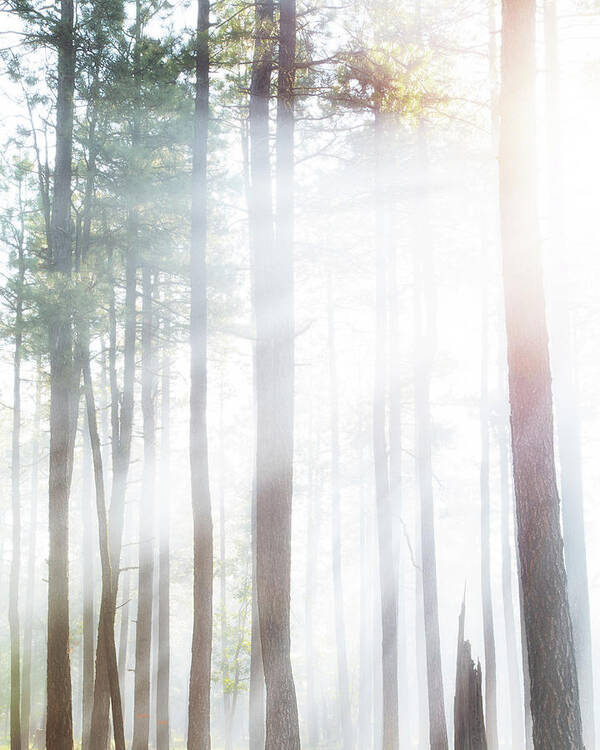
<point>143,630</point>
<point>554,689</point>
<point>15,563</point>
<point>59,721</point>
<point>568,430</point>
<point>199,693</point>
<point>273,262</point>
<point>336,551</point>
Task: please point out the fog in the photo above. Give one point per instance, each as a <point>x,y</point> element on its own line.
<point>427,202</point>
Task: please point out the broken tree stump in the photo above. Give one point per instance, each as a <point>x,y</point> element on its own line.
<point>469,724</point>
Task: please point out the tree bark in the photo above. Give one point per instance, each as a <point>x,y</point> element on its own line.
<point>59,719</point>
<point>554,689</point>
<point>568,430</point>
<point>143,630</point>
<point>336,532</point>
<point>469,725</point>
<point>275,398</point>
<point>200,674</point>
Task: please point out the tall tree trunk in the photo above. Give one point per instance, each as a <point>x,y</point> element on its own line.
<point>15,563</point>
<point>554,689</point>
<point>387,577</point>
<point>199,694</point>
<point>143,629</point>
<point>426,324</point>
<point>256,688</point>
<point>163,668</point>
<point>514,680</point>
<point>59,718</point>
<point>568,430</point>
<point>395,463</point>
<point>87,576</point>
<point>311,586</point>
<point>107,611</point>
<point>365,668</point>
<point>121,417</point>
<point>273,268</point>
<point>223,576</point>
<point>489,642</point>
<point>31,560</point>
<point>336,534</point>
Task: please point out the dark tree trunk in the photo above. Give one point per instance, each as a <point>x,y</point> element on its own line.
<point>163,667</point>
<point>426,325</point>
<point>568,430</point>
<point>59,719</point>
<point>31,560</point>
<point>89,631</point>
<point>387,567</point>
<point>199,694</point>
<point>469,725</point>
<point>554,689</point>
<point>491,718</point>
<point>143,629</point>
<point>107,611</point>
<point>336,532</point>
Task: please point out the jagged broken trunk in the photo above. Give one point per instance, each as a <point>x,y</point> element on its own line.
<point>469,725</point>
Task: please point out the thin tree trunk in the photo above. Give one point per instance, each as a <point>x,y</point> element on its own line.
<point>143,630</point>
<point>387,578</point>
<point>311,586</point>
<point>107,611</point>
<point>163,670</point>
<point>426,322</point>
<point>491,718</point>
<point>568,430</point>
<point>365,669</point>
<point>223,576</point>
<point>554,689</point>
<point>59,718</point>
<point>31,559</point>
<point>514,680</point>
<point>89,632</point>
<point>256,688</point>
<point>121,417</point>
<point>395,466</point>
<point>336,532</point>
<point>15,563</point>
<point>200,674</point>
